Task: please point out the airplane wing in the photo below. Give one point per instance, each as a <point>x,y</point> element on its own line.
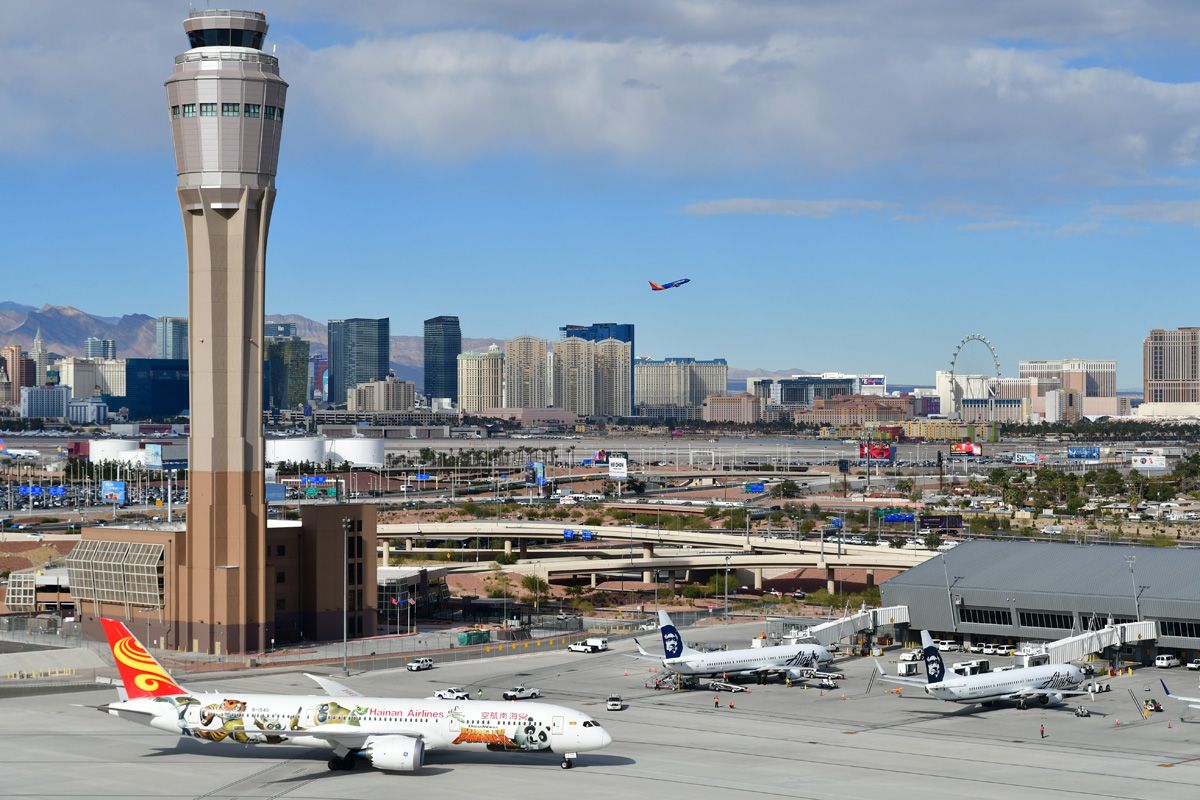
<point>332,687</point>
<point>1193,702</point>
<point>896,678</point>
<point>1034,694</point>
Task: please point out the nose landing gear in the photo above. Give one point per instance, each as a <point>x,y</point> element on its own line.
<point>568,760</point>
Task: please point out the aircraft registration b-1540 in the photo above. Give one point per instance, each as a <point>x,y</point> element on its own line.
<point>669,284</point>
<point>391,733</point>
<point>793,660</point>
<point>1047,684</point>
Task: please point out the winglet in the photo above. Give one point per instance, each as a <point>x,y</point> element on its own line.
<point>639,647</point>
<point>141,673</point>
<point>1165,689</point>
<point>879,667</point>
<point>332,687</point>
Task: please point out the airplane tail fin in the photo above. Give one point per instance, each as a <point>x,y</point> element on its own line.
<point>655,286</point>
<point>673,644</point>
<point>141,673</point>
<point>935,668</point>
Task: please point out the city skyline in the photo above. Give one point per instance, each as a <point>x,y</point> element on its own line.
<point>1012,204</point>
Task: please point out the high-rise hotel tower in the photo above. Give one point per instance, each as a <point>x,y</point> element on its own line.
<point>226,103</point>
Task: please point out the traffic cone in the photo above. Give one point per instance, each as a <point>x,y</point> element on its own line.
<point>731,705</point>
<point>1118,724</point>
<point>1168,724</point>
<point>843,697</point>
<point>626,673</point>
<point>822,693</point>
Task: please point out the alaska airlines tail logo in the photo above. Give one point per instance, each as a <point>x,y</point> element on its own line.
<point>142,674</point>
<point>672,642</point>
<point>935,669</point>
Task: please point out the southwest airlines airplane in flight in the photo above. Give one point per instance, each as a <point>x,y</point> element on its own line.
<point>669,285</point>
<point>794,660</point>
<point>1047,684</point>
<point>388,732</point>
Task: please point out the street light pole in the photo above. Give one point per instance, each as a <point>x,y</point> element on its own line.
<point>1133,581</point>
<point>346,595</point>
<point>726,587</point>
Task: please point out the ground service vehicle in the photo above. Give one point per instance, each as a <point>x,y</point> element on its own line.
<point>1194,663</point>
<point>1166,661</point>
<point>522,693</point>
<point>452,693</point>
<point>614,703</point>
<point>581,647</point>
<point>418,664</point>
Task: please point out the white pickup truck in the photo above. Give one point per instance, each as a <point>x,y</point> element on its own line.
<point>590,645</point>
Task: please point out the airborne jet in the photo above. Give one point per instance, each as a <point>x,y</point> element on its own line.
<point>669,284</point>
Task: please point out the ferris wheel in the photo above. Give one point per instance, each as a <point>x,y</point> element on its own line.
<point>985,388</point>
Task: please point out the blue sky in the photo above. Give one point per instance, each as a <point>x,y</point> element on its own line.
<point>851,186</point>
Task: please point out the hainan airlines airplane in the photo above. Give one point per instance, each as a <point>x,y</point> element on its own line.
<point>1048,684</point>
<point>391,733</point>
<point>794,660</point>
<point>668,285</point>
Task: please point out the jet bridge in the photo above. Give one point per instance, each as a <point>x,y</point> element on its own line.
<point>1074,648</point>
<point>868,619</point>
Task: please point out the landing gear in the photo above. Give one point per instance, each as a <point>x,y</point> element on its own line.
<point>1022,705</point>
<point>344,763</point>
<point>568,760</point>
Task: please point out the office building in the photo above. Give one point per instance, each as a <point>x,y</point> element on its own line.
<point>675,388</point>
<point>1171,366</point>
<point>40,358</point>
<point>805,390</point>
<point>152,388</point>
<point>443,343</point>
<point>614,372</point>
<point>280,330</point>
<point>92,411</point>
<point>389,394</point>
<point>599,331</point>
<point>574,370</point>
<point>6,387</point>
<point>480,380</point>
<point>44,401</point>
<point>318,377</point>
<point>287,370</point>
<point>14,363</point>
<point>525,372</point>
<point>99,348</point>
<point>358,353</point>
<point>171,338</point>
<point>86,377</point>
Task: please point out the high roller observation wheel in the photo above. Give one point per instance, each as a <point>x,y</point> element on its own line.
<point>972,337</point>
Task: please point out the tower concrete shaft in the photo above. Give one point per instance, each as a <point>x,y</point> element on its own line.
<point>226,103</point>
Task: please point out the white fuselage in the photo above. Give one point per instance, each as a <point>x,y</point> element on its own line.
<point>348,721</point>
<point>754,659</point>
<point>1045,679</point>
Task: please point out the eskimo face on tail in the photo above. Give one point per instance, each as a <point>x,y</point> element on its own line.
<point>935,668</point>
<point>672,642</point>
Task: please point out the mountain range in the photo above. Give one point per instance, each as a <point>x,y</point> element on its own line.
<point>65,329</point>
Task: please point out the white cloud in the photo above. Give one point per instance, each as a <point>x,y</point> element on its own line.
<point>812,209</point>
<point>1172,212</point>
<point>1078,228</point>
<point>994,225</point>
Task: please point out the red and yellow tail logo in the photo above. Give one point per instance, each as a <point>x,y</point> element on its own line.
<point>142,674</point>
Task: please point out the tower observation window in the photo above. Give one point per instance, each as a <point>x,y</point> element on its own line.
<point>225,37</point>
<point>208,109</point>
<point>174,112</point>
<point>230,109</point>
<point>252,110</point>
<point>189,109</point>
<point>268,112</point>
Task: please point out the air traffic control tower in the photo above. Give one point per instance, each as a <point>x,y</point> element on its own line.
<point>226,103</point>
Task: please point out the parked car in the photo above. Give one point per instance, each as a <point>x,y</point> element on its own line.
<point>989,649</point>
<point>614,703</point>
<point>1194,663</point>
<point>975,647</point>
<point>947,645</point>
<point>418,664</point>
<point>1005,650</point>
<point>452,693</point>
<point>522,693</point>
<point>1166,661</point>
<point>910,655</point>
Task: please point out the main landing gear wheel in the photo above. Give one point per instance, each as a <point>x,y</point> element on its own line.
<point>343,763</point>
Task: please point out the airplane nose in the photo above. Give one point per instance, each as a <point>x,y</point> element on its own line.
<point>605,738</point>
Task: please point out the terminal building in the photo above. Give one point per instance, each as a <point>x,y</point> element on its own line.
<point>1032,593</point>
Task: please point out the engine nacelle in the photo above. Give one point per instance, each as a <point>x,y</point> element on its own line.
<point>395,753</point>
<point>1052,699</point>
<point>797,674</point>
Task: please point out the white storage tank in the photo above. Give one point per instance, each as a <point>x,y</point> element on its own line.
<point>359,452</point>
<point>296,451</point>
<point>114,450</point>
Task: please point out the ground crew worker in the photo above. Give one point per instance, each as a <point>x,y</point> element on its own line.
<point>716,701</point>
<point>787,681</point>
<point>481,694</point>
<point>1042,730</point>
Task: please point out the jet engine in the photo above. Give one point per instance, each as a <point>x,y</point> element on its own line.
<point>395,753</point>
<point>799,674</point>
<point>1051,699</point>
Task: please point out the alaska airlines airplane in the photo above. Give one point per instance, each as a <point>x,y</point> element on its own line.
<point>390,733</point>
<point>1048,684</point>
<point>794,660</point>
<point>669,285</point>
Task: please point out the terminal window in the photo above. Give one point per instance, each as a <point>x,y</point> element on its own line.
<point>252,110</point>
<point>986,616</point>
<point>189,109</point>
<point>231,109</point>
<point>208,109</point>
<point>1177,627</point>
<point>1045,619</point>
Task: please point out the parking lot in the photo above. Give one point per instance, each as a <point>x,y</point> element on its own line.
<point>776,742</point>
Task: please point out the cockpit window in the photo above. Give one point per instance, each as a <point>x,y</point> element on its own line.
<point>587,723</point>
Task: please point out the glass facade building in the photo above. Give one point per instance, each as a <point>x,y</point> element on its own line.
<point>443,343</point>
<point>358,353</point>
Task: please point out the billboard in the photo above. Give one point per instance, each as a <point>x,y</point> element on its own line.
<point>618,468</point>
<point>276,492</point>
<point>877,451</point>
<point>898,516</point>
<point>601,457</point>
<point>535,473</point>
<point>1148,463</point>
<point>1083,453</point>
<point>966,449</point>
<point>152,456</point>
<point>112,492</point>
<point>941,522</point>
<point>1028,459</point>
